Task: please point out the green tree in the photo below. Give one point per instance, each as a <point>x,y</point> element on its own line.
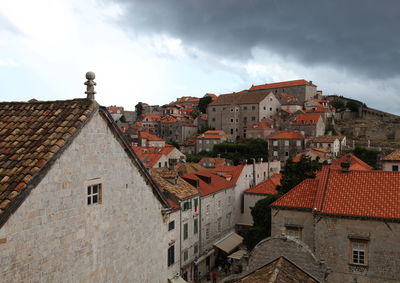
<point>296,172</point>
<point>338,104</point>
<point>195,112</point>
<point>261,229</point>
<point>242,150</point>
<point>203,103</point>
<point>369,156</point>
<point>352,106</point>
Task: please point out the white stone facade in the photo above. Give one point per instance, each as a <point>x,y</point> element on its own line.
<point>55,236</point>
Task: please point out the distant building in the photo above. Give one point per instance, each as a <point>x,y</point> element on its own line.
<point>260,130</point>
<point>207,140</point>
<point>212,162</point>
<point>285,144</point>
<point>311,125</point>
<point>233,112</point>
<point>334,144</point>
<point>149,140</point>
<point>355,163</point>
<point>157,157</point>
<point>303,90</point>
<point>323,155</point>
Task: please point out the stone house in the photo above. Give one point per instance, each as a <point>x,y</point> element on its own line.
<point>391,162</point>
<point>349,219</point>
<point>147,139</point>
<point>173,129</point>
<point>207,140</point>
<point>285,144</point>
<point>213,162</point>
<point>311,125</point>
<point>333,143</point>
<point>186,198</point>
<point>156,157</point>
<point>355,163</point>
<point>254,194</point>
<point>233,112</point>
<point>66,212</point>
<point>315,153</point>
<point>303,90</point>
<point>151,121</point>
<point>260,130</point>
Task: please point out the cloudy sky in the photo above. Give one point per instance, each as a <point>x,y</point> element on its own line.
<point>156,50</point>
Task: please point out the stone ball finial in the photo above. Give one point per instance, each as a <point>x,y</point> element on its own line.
<point>90,75</point>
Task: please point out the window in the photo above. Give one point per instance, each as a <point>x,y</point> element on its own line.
<point>213,119</point>
<point>286,153</point>
<point>94,194</point>
<point>195,249</point>
<point>231,109</point>
<point>213,109</point>
<point>275,143</point>
<point>171,225</point>
<point>270,109</point>
<point>265,108</point>
<point>253,108</point>
<point>237,109</point>
<point>195,226</point>
<point>245,107</point>
<point>294,232</point>
<point>237,120</point>
<point>159,164</point>
<point>185,255</point>
<point>196,204</point>
<point>185,231</point>
<point>395,168</point>
<point>208,208</point>
<point>231,131</point>
<point>286,143</point>
<point>207,230</point>
<point>219,204</point>
<point>219,221</point>
<point>359,252</point>
<point>171,255</point>
<point>244,119</point>
<point>253,118</point>
<point>231,120</point>
<point>187,205</point>
<point>228,218</point>
<point>207,141</point>
<point>298,143</point>
<point>275,153</point>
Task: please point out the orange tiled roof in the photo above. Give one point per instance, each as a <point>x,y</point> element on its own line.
<point>372,194</point>
<point>394,156</point>
<point>321,152</point>
<point>148,136</point>
<point>281,84</point>
<point>268,187</point>
<point>318,109</point>
<point>215,160</point>
<point>307,119</point>
<point>243,97</point>
<point>154,117</point>
<point>355,163</point>
<point>213,135</point>
<point>260,125</point>
<point>327,139</point>
<point>150,155</point>
<point>188,99</point>
<point>287,135</point>
<point>31,134</point>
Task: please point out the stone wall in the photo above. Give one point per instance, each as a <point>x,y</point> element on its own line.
<point>55,236</point>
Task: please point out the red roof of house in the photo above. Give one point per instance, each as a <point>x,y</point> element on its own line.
<point>213,135</point>
<point>316,109</point>
<point>372,194</point>
<point>168,119</point>
<point>393,156</point>
<point>287,135</point>
<point>150,155</point>
<point>268,187</point>
<point>355,163</point>
<point>260,125</point>
<point>148,136</point>
<point>153,117</point>
<point>188,99</point>
<point>281,84</point>
<point>321,152</point>
<point>307,119</point>
<point>216,161</point>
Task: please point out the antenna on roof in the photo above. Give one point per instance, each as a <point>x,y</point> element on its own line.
<point>90,92</point>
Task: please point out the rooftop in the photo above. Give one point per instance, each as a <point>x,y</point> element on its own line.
<point>282,84</point>
<point>307,119</point>
<point>370,194</point>
<point>394,156</point>
<point>355,163</point>
<point>243,97</point>
<point>287,135</point>
<point>268,187</point>
<point>327,139</point>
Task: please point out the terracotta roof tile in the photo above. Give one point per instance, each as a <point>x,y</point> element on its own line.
<point>372,194</point>
<point>287,135</point>
<point>281,84</point>
<point>355,163</point>
<point>307,119</point>
<point>268,187</point>
<point>243,97</point>
<point>30,134</point>
<point>394,156</point>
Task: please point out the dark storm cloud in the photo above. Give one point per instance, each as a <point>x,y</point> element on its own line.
<point>361,35</point>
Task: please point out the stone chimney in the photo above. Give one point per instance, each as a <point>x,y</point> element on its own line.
<point>90,92</point>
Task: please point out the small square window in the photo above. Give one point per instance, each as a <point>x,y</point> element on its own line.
<point>253,108</point>
<point>294,232</point>
<point>185,255</point>
<point>395,168</point>
<point>94,194</point>
<point>195,249</point>
<point>359,252</point>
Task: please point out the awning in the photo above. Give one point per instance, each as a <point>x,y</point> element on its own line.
<point>203,257</point>
<point>177,279</point>
<point>238,254</point>
<point>229,243</point>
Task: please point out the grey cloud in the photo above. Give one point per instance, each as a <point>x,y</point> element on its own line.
<point>359,35</point>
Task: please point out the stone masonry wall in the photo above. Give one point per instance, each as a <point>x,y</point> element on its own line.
<point>55,236</point>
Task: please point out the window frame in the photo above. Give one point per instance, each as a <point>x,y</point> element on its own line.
<point>90,195</point>
<point>171,255</point>
<point>363,251</point>
<point>171,225</point>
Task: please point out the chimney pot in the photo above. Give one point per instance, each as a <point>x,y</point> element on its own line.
<point>90,92</point>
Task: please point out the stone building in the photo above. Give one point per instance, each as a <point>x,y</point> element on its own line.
<point>311,125</point>
<point>303,90</point>
<point>76,204</point>
<point>156,157</point>
<point>334,144</point>
<point>149,140</point>
<point>207,140</point>
<point>233,112</point>
<point>186,198</point>
<point>391,162</point>
<point>177,130</point>
<point>349,219</point>
<point>260,130</point>
<point>285,144</point>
